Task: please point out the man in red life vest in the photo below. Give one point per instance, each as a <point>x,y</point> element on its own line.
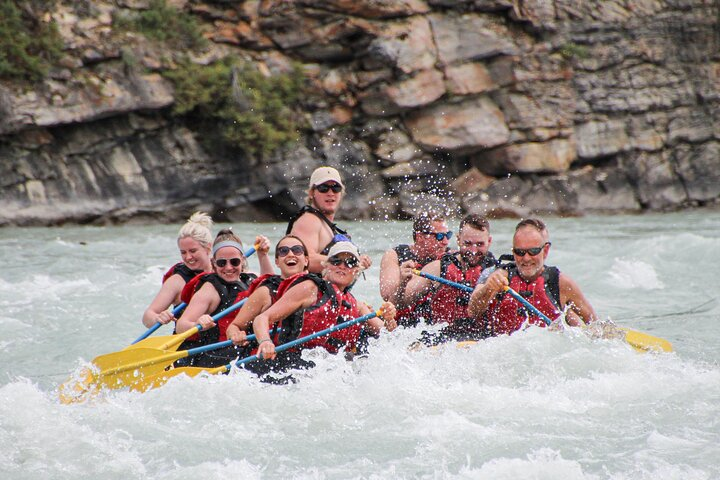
<point>431,237</point>
<point>448,304</point>
<point>551,291</point>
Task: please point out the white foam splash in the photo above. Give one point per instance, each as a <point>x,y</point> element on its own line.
<point>635,274</point>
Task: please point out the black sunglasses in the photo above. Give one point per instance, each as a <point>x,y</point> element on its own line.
<point>295,249</point>
<point>520,252</point>
<point>440,235</point>
<point>324,188</point>
<point>221,262</point>
<point>350,262</point>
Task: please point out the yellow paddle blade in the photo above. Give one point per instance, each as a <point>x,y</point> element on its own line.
<point>646,343</point>
<point>138,358</point>
<point>116,370</point>
<point>78,388</point>
<point>167,342</point>
<point>159,379</point>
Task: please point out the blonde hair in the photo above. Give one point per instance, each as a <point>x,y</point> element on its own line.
<point>198,228</point>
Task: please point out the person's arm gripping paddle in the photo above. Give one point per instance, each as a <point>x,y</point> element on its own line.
<point>299,296</point>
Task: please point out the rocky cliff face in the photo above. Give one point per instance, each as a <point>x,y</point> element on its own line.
<point>503,107</point>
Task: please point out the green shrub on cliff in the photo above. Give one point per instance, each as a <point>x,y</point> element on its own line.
<point>28,46</point>
<point>572,50</point>
<point>164,23</point>
<point>254,112</point>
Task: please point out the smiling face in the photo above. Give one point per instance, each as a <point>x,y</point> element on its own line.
<point>341,274</point>
<point>194,255</point>
<point>427,243</point>
<point>291,262</point>
<point>530,266</point>
<point>223,263</point>
<point>327,202</point>
<point>474,244</point>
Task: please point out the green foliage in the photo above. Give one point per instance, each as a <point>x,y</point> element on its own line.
<point>28,46</point>
<point>573,50</point>
<point>254,112</point>
<point>164,23</point>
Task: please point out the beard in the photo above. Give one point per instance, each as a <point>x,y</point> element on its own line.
<point>472,259</point>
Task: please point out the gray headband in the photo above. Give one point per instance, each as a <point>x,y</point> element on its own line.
<point>227,243</point>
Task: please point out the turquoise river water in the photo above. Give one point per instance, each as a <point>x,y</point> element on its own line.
<point>536,405</point>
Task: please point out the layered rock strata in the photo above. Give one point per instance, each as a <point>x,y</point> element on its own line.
<point>499,107</point>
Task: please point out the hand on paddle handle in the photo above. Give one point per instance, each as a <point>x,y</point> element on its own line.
<point>165,317</point>
<point>262,245</point>
<point>407,269</point>
<point>206,322</point>
<point>365,262</point>
<point>266,350</point>
<point>387,313</point>
<point>497,281</point>
<point>238,337</point>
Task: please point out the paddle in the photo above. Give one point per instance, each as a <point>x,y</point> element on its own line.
<point>638,340</point>
<point>180,307</point>
<point>161,378</point>
<point>157,325</point>
<point>120,369</point>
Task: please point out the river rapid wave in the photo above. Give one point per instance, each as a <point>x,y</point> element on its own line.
<point>537,404</point>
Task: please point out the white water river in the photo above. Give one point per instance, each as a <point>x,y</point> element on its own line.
<point>536,405</point>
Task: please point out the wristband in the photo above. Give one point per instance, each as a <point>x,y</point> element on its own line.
<point>263,341</point>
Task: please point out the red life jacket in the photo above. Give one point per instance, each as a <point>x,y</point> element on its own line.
<point>230,293</point>
<point>506,315</point>
<point>450,304</point>
<point>331,307</point>
<point>411,315</point>
<point>269,280</point>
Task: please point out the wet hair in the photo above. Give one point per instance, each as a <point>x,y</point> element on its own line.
<point>294,237</point>
<point>198,228</point>
<point>535,223</point>
<point>476,221</point>
<point>422,223</point>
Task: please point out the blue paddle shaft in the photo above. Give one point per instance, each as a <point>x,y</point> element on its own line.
<point>219,315</point>
<point>529,305</point>
<point>157,325</point>
<point>215,346</point>
<point>512,292</point>
<point>307,338</point>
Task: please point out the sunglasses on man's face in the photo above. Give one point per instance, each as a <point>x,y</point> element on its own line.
<point>295,249</point>
<point>440,235</point>
<point>324,188</point>
<point>350,262</point>
<point>221,262</point>
<point>520,252</point>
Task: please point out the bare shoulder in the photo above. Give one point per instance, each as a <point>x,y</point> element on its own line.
<point>307,221</point>
<point>567,284</point>
<point>389,256</point>
<point>432,268</point>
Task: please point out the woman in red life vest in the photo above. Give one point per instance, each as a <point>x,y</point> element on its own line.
<point>291,257</point>
<point>210,293</point>
<point>194,241</point>
<point>308,304</point>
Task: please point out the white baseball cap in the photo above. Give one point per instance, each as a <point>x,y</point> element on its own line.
<point>344,247</point>
<point>325,174</point>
